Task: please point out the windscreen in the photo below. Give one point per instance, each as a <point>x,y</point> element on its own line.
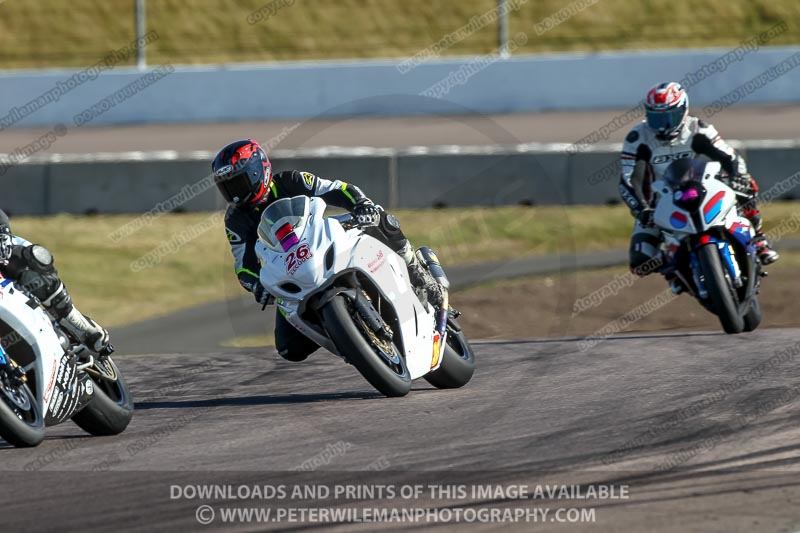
<point>283,222</point>
<point>684,171</point>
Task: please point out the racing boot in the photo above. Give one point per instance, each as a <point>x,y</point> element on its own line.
<point>665,263</point>
<point>80,327</point>
<point>764,251</point>
<point>86,330</point>
<point>670,275</point>
<point>675,283</point>
<point>426,288</point>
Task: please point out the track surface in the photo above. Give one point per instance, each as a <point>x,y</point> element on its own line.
<point>739,122</point>
<point>536,411</point>
<point>715,437</point>
<point>205,328</point>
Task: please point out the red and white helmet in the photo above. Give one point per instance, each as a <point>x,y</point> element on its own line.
<point>666,108</point>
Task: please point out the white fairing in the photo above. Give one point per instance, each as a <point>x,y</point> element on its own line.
<point>717,209</point>
<point>352,250</point>
<point>34,328</point>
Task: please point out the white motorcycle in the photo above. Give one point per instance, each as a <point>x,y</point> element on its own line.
<point>710,246</point>
<point>351,294</point>
<point>45,379</point>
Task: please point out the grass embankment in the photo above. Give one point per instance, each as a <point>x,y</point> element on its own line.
<point>79,33</point>
<point>545,306</point>
<point>98,269</point>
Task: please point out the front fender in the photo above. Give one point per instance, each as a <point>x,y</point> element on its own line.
<point>735,255</point>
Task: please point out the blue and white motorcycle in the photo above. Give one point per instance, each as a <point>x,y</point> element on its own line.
<point>710,245</point>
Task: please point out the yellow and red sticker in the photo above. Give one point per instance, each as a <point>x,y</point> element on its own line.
<point>437,350</point>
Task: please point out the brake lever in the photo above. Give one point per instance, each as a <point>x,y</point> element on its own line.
<point>269,301</point>
<point>350,224</point>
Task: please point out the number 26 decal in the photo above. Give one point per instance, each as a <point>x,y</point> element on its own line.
<point>297,258</point>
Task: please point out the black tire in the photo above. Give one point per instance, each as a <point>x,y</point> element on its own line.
<point>111,409</point>
<point>20,427</point>
<point>391,379</point>
<point>719,290</point>
<point>753,316</point>
<point>458,364</point>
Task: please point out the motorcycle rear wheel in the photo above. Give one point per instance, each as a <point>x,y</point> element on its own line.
<point>752,318</point>
<point>350,336</point>
<point>458,364</point>
<point>719,290</point>
<point>111,409</point>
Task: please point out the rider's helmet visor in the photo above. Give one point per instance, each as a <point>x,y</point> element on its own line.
<point>665,120</point>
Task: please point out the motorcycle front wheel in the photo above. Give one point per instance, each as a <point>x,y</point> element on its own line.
<point>720,292</point>
<point>378,360</point>
<point>21,420</point>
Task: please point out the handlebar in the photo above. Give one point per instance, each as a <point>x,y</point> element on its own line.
<point>346,220</point>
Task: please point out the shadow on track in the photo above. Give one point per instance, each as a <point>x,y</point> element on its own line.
<point>258,400</point>
<point>50,439</point>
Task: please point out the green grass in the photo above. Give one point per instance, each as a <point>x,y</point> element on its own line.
<point>254,341</point>
<point>80,32</point>
<point>99,275</point>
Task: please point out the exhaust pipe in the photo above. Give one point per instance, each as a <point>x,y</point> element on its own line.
<point>429,260</point>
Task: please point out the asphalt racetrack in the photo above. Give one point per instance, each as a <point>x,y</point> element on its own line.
<point>700,428</point>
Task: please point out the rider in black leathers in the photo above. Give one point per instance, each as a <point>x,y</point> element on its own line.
<point>243,174</point>
<point>32,267</point>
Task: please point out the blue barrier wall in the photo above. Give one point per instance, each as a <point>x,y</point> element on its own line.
<point>351,88</point>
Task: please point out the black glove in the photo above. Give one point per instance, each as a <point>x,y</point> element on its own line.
<point>742,183</point>
<point>646,217</point>
<point>367,214</point>
<point>263,296</point>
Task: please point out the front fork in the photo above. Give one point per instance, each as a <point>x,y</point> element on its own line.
<point>14,372</point>
<point>728,256</point>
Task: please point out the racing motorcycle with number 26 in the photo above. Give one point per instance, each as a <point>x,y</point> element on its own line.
<point>351,294</point>
<point>710,245</point>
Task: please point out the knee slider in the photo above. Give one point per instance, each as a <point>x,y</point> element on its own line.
<point>293,356</point>
<point>643,249</point>
<point>38,258</point>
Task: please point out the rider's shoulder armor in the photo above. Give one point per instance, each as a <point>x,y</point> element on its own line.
<point>291,183</point>
<point>701,127</point>
<point>635,137</point>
